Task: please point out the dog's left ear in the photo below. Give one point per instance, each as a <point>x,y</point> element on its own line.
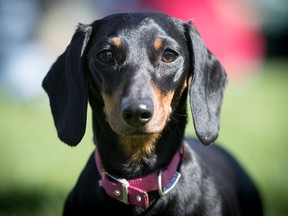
<point>206,87</point>
<point>66,86</point>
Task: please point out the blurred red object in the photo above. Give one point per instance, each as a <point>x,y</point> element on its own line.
<point>230,29</point>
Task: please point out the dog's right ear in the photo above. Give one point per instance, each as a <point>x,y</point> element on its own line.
<point>66,86</point>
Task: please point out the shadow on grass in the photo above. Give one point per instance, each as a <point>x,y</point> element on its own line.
<point>31,202</point>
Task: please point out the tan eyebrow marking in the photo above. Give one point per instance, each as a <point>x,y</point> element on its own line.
<point>116,41</point>
<point>158,43</point>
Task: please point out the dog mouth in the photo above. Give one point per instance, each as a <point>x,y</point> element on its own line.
<point>138,133</point>
<point>123,129</point>
<point>135,132</point>
<point>138,140</point>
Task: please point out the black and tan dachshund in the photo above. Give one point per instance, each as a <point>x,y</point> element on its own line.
<point>137,71</point>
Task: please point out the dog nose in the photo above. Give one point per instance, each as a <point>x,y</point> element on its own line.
<point>137,112</point>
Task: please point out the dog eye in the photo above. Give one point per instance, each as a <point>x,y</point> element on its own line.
<point>106,56</point>
<point>169,56</point>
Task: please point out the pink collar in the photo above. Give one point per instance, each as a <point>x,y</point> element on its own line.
<point>135,191</point>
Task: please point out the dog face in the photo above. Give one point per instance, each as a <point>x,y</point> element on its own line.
<point>141,72</point>
<point>135,68</point>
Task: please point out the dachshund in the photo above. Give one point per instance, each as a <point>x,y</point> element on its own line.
<point>138,72</point>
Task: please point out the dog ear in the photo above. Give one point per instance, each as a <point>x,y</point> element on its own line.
<point>206,88</point>
<point>66,86</point>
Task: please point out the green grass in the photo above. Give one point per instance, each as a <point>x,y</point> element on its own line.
<point>37,170</point>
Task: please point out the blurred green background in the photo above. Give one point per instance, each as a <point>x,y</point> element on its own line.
<point>249,37</point>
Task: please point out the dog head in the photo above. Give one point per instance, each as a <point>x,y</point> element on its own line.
<point>135,68</point>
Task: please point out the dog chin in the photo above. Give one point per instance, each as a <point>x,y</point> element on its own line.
<point>138,145</point>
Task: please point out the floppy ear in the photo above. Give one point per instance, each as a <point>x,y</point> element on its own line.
<point>206,88</point>
<point>66,87</point>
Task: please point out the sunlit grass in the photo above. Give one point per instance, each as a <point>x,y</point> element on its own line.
<point>37,170</point>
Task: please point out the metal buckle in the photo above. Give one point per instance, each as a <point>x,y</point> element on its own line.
<point>160,190</point>
<point>125,185</point>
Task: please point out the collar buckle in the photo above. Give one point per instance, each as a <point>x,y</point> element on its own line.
<point>160,188</point>
<point>171,184</point>
<point>125,184</point>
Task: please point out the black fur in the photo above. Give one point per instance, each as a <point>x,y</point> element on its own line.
<point>133,67</point>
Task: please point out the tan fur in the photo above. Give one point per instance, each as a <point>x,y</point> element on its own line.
<point>138,147</point>
<point>158,43</point>
<point>116,42</point>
